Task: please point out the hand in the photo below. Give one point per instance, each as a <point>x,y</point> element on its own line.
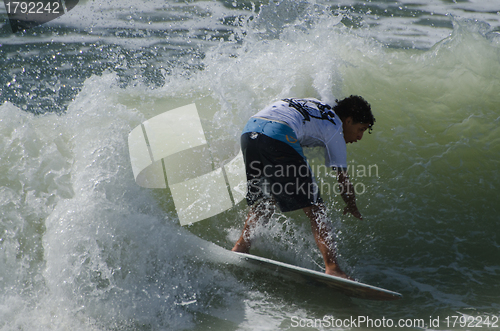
<point>353,210</point>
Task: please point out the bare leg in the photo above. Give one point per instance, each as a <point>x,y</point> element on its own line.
<point>262,210</point>
<point>318,217</point>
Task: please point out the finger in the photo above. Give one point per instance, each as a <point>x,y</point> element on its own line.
<point>356,213</point>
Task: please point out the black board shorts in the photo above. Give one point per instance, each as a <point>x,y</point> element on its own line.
<point>274,169</point>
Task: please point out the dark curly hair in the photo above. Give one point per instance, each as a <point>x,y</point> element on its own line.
<point>357,108</point>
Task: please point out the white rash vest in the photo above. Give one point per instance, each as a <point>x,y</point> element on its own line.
<point>314,131</point>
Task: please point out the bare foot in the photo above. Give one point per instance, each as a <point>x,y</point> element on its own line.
<point>334,270</point>
<point>241,247</point>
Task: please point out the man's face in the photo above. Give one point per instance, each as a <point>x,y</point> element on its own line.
<point>353,131</point>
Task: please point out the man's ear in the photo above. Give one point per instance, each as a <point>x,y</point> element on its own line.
<point>349,120</point>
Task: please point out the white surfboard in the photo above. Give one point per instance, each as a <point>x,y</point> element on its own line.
<point>303,275</point>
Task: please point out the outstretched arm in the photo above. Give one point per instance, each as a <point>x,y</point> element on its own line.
<point>347,193</point>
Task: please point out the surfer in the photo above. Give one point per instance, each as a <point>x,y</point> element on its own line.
<point>277,170</point>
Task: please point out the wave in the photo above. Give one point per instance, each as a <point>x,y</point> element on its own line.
<point>84,247</point>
